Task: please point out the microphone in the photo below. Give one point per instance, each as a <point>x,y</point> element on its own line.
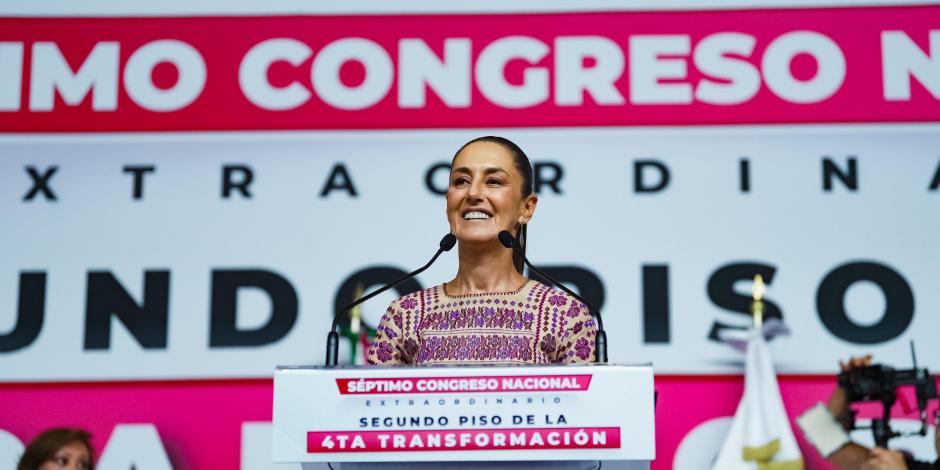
<point>332,339</point>
<point>600,341</point>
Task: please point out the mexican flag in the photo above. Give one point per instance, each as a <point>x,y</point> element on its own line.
<point>760,435</point>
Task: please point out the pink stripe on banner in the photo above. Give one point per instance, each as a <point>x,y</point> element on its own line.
<point>192,416</point>
<point>469,384</point>
<point>463,439</point>
<point>800,65</point>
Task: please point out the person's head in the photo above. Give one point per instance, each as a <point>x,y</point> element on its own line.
<point>60,448</point>
<point>490,190</point>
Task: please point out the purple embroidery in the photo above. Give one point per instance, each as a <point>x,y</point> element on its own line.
<point>548,345</point>
<point>583,348</point>
<point>384,351</point>
<point>503,327</point>
<point>410,347</point>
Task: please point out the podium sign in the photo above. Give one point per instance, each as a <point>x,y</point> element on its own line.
<point>467,413</point>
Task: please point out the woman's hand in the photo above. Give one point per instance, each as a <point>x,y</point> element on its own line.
<point>838,402</point>
<point>884,459</point>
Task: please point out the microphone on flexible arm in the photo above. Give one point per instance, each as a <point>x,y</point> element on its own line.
<point>332,339</point>
<point>600,341</point>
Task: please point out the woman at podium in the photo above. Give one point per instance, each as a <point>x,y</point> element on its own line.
<point>489,312</point>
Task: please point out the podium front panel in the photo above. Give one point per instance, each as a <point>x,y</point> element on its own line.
<point>479,413</point>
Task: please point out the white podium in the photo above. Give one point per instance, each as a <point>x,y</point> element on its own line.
<point>466,416</point>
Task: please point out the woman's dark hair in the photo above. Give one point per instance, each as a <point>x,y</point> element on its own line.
<point>525,169</point>
<point>45,445</point>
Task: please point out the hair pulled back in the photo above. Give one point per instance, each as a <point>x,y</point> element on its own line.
<point>522,164</point>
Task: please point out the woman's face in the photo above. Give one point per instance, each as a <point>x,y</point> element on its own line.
<point>73,456</point>
<point>485,194</point>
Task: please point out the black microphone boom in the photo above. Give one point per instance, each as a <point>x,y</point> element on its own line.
<point>332,339</point>
<point>600,341</point>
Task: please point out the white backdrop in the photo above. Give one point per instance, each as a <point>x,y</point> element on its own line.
<point>699,223</point>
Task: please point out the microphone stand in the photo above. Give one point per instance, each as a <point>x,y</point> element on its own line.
<point>600,341</point>
<point>332,339</point>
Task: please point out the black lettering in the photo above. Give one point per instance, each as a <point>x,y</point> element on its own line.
<point>429,178</point>
<point>30,312</point>
<point>366,279</point>
<point>656,304</point>
<point>40,183</point>
<point>146,322</point>
<point>223,331</point>
<point>640,184</point>
<point>745,172</point>
<point>935,182</point>
<point>722,294</point>
<point>849,177</point>
<point>552,179</point>
<point>236,177</point>
<point>139,172</point>
<point>339,179</point>
<point>899,303</point>
<point>585,282</point>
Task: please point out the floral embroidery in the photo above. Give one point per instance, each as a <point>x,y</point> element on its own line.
<point>574,311</point>
<point>484,328</point>
<point>384,351</point>
<point>548,345</point>
<point>411,347</point>
<point>479,317</point>
<point>583,348</point>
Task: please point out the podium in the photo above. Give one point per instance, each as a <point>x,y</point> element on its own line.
<point>506,414</point>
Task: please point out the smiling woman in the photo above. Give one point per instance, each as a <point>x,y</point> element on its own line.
<point>489,313</point>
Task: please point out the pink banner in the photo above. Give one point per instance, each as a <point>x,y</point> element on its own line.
<point>415,71</point>
<point>464,439</point>
<point>482,384</point>
<point>193,416</point>
<point>813,65</point>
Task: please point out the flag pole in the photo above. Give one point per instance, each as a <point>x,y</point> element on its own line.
<point>757,305</point>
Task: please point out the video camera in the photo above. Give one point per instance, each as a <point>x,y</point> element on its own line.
<point>880,383</point>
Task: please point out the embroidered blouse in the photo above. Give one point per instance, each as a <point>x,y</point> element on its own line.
<point>533,325</point>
